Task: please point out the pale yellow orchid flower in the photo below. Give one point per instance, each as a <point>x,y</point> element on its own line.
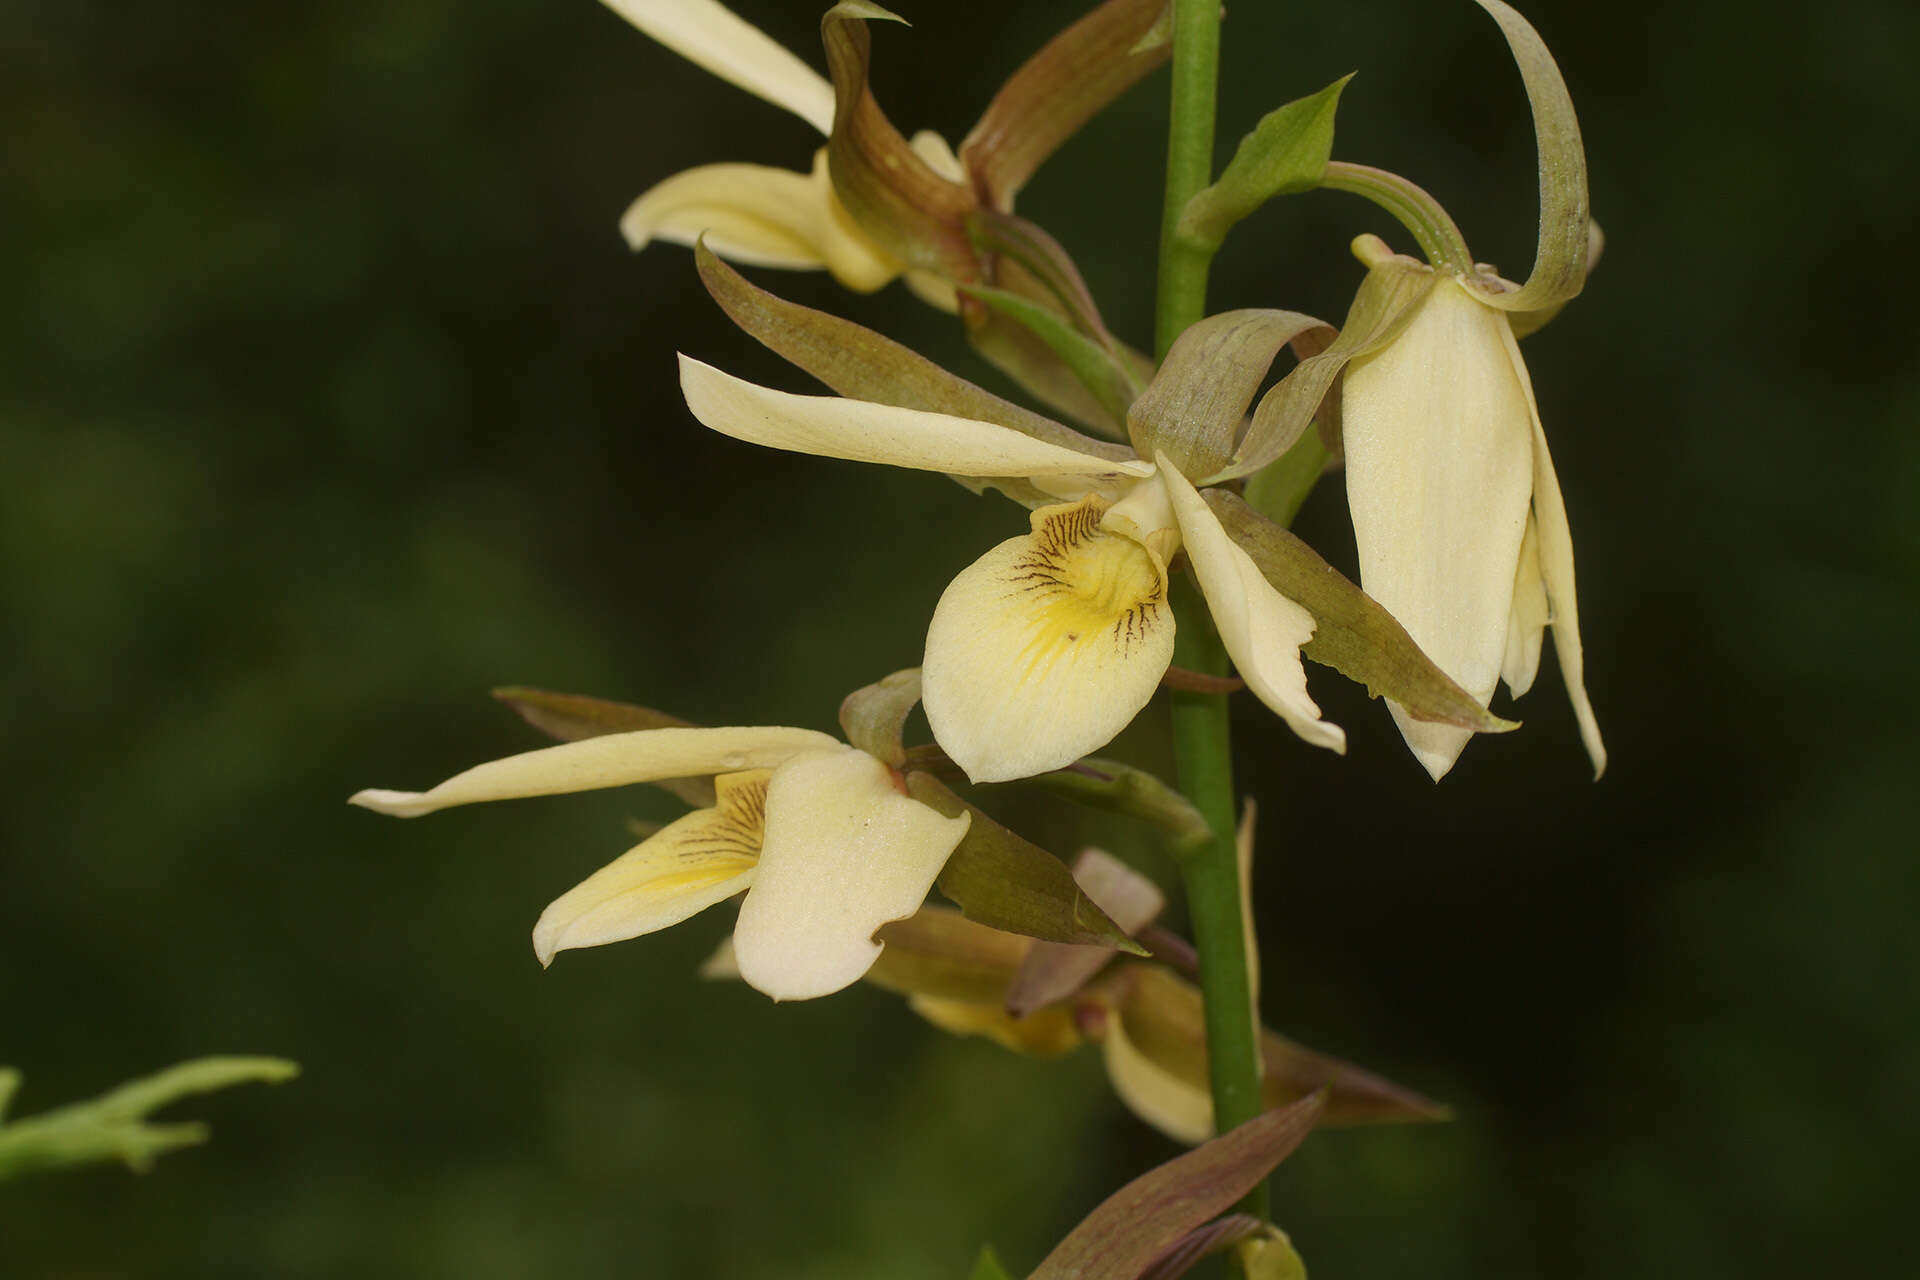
<point>756,214</point>
<point>1049,644</point>
<point>817,833</point>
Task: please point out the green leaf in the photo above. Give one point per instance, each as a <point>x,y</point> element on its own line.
<point>1195,405</point>
<point>1006,882</point>
<point>1285,153</point>
<point>1352,634</point>
<point>872,718</point>
<point>863,365</point>
<point>1151,1214</point>
<point>114,1125</point>
<point>1089,363</point>
<point>987,1266</point>
<point>1384,304</point>
<point>1560,256</point>
<point>1059,89</point>
<point>573,716</point>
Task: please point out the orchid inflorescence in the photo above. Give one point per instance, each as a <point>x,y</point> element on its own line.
<point>1139,474</point>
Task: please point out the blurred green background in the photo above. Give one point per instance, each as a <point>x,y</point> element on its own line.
<point>330,398</point>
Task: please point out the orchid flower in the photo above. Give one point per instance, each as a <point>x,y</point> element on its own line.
<point>1050,643</point>
<point>758,214</point>
<point>817,833</point>
<point>1457,510</point>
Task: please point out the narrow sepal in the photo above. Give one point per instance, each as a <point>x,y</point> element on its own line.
<point>862,431</point>
<point>863,365</point>
<point>613,760</point>
<point>1560,257</point>
<point>1286,152</point>
<point>1201,1243</point>
<point>1353,634</point>
<point>1195,405</point>
<point>1121,1238</point>
<point>1009,883</point>
<point>894,195</point>
<point>1089,364</point>
<point>938,952</point>
<point>710,35</point>
<point>1385,303</point>
<point>1048,1033</point>
<point>573,716</point>
<point>1060,88</point>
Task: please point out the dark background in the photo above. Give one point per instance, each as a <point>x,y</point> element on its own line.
<point>332,399</point>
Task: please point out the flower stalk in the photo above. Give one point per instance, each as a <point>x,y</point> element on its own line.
<point>1202,747</point>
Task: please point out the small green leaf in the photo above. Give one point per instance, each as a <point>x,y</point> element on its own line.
<point>1151,1214</point>
<point>1006,882</point>
<point>571,717</point>
<point>1090,364</point>
<point>1286,152</point>
<point>114,1126</point>
<point>1059,89</point>
<point>1352,634</point>
<point>987,1266</point>
<point>872,718</point>
<point>1196,403</point>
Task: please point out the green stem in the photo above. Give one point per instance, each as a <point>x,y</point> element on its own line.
<point>1202,748</point>
<point>1182,297</point>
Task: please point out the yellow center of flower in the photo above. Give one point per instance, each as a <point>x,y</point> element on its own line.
<point>1088,585</point>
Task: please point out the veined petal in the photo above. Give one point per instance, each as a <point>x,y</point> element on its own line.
<point>861,431</point>
<point>1440,470</point>
<point>712,36</point>
<point>1047,646</point>
<point>1261,629</point>
<point>763,216</point>
<point>687,866</point>
<point>613,760</point>
<point>844,852</point>
<point>1168,1102</point>
<point>1556,571</point>
<point>1527,624</point>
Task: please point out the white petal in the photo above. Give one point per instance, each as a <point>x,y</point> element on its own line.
<point>1439,447</point>
<point>1046,647</point>
<point>844,853</point>
<point>1261,629</point>
<point>712,36</point>
<point>761,216</point>
<point>861,431</point>
<point>610,761</point>
<point>687,866</point>
<point>1528,621</point>
<point>1164,1100</point>
<point>1556,569</point>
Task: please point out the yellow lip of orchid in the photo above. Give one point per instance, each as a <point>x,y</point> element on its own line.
<point>1048,645</point>
<point>825,845</point>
